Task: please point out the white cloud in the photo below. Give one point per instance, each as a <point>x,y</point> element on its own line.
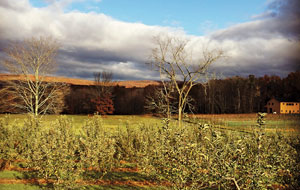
<point>93,41</point>
<point>21,5</point>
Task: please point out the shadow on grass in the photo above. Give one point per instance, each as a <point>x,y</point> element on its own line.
<point>90,187</point>
<point>110,187</point>
<point>117,176</point>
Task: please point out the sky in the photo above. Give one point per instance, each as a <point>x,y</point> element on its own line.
<point>258,36</point>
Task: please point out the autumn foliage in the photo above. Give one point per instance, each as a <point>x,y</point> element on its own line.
<point>104,105</point>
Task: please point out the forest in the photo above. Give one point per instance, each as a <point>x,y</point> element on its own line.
<point>217,96</point>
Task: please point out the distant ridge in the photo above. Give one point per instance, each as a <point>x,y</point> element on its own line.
<point>137,83</point>
<point>6,77</point>
<point>73,81</point>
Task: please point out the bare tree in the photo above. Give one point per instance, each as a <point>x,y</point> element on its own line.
<point>178,67</point>
<point>161,100</point>
<point>103,82</point>
<point>33,59</point>
<point>103,93</point>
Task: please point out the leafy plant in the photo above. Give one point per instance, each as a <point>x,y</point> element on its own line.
<point>193,156</point>
<point>53,153</point>
<point>97,148</point>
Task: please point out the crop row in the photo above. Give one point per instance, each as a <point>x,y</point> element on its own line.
<point>192,157</point>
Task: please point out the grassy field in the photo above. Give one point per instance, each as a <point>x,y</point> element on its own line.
<point>288,124</point>
<point>284,123</point>
<point>111,121</point>
<point>128,176</point>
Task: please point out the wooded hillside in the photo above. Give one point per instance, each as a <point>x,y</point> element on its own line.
<point>229,95</point>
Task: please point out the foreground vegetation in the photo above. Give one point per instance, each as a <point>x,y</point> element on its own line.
<point>60,152</point>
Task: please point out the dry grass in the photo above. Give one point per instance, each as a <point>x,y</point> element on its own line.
<point>73,81</point>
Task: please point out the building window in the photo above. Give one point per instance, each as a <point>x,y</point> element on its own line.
<point>285,111</point>
<point>282,103</point>
<point>272,104</point>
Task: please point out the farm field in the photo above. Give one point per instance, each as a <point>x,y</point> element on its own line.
<point>111,122</point>
<point>126,176</point>
<point>288,124</point>
<point>283,123</point>
<point>129,172</point>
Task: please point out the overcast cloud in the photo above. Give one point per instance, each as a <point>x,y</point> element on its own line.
<point>269,44</point>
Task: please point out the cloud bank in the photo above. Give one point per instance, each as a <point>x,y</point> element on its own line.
<point>269,44</point>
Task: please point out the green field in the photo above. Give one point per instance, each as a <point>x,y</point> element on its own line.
<point>288,124</point>
<point>128,175</point>
<point>111,122</point>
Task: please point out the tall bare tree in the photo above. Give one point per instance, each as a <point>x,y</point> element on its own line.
<point>33,59</point>
<point>177,66</point>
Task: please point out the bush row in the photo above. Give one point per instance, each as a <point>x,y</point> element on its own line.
<point>192,157</point>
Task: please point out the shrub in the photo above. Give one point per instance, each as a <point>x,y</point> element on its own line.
<point>97,148</point>
<point>191,157</point>
<point>6,145</point>
<point>197,156</point>
<point>13,140</point>
<point>54,153</point>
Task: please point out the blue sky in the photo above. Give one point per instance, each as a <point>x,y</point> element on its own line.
<point>195,17</point>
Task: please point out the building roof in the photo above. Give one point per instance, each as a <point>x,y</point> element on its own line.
<point>284,99</point>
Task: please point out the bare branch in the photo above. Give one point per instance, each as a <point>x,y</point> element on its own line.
<point>171,59</point>
<point>32,59</point>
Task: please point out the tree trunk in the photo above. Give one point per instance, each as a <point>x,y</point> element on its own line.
<point>180,104</point>
<point>239,100</point>
<point>36,111</point>
<point>179,116</point>
<point>168,109</point>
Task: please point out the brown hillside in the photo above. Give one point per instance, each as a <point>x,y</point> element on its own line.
<point>73,81</point>
<point>137,83</point>
<point>6,77</point>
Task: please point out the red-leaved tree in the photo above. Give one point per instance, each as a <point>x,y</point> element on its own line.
<point>104,105</point>
<point>103,95</point>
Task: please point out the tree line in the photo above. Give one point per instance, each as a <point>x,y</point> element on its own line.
<point>234,94</point>
<point>217,96</point>
<point>244,94</point>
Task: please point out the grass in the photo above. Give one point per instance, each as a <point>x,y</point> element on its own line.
<point>288,124</point>
<point>90,187</point>
<point>230,121</point>
<point>119,178</point>
<point>110,121</point>
<point>12,175</point>
<point>18,187</point>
